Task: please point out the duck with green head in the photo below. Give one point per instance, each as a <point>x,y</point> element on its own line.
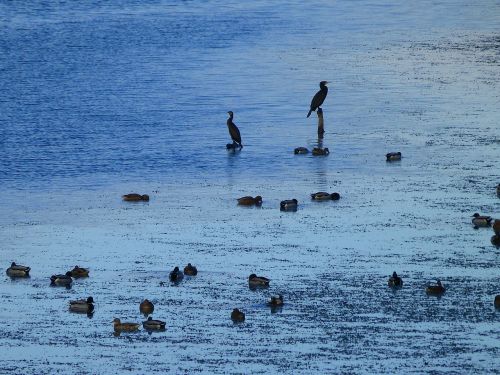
<point>79,272</point>
<point>82,306</point>
<point>154,324</point>
<point>16,270</point>
<point>393,156</point>
<point>324,196</point>
<point>61,280</point>
<point>481,221</point>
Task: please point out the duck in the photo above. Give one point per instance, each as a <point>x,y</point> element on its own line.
<point>289,205</point>
<point>134,197</point>
<point>497,301</point>
<point>393,156</point>
<point>395,281</point>
<point>255,280</point>
<point>275,301</point>
<point>190,270</point>
<point>82,306</point>
<point>250,201</point>
<point>436,290</point>
<point>16,270</point>
<point>237,316</point>
<point>61,280</point>
<point>323,196</point>
<point>495,240</point>
<point>301,151</point>
<point>496,227</point>
<point>78,272</point>
<point>127,327</point>
<point>176,275</point>
<point>154,325</point>
<point>481,221</point>
<point>318,151</point>
<point>146,307</point>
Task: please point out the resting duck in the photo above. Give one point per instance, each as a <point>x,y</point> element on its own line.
<point>322,196</point>
<point>497,301</point>
<point>237,316</point>
<point>154,325</point>
<point>61,280</point>
<point>126,327</point>
<point>496,227</point>
<point>481,221</point>
<point>134,197</point>
<point>78,272</point>
<point>495,240</point>
<point>146,307</point>
<point>393,156</point>
<point>436,290</point>
<point>318,151</point>
<point>16,270</point>
<point>255,280</point>
<point>289,205</point>
<point>82,306</point>
<point>395,281</point>
<point>190,270</point>
<point>301,151</point>
<point>250,201</point>
<point>176,275</point>
<point>275,301</point>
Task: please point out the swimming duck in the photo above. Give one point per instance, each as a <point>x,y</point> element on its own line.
<point>190,270</point>
<point>134,197</point>
<point>301,151</point>
<point>436,290</point>
<point>78,272</point>
<point>16,270</point>
<point>82,306</point>
<point>481,221</point>
<point>395,281</point>
<point>318,151</point>
<point>495,240</point>
<point>154,325</point>
<point>275,301</point>
<point>323,196</point>
<point>497,301</point>
<point>146,307</point>
<point>289,205</point>
<point>126,327</point>
<point>176,275</point>
<point>61,280</point>
<point>255,280</point>
<point>393,156</point>
<point>250,201</point>
<point>496,227</point>
<point>237,316</point>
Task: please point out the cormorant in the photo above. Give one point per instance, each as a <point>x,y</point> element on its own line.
<point>319,98</point>
<point>234,132</point>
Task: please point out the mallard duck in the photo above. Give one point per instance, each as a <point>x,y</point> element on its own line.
<point>496,227</point>
<point>61,280</point>
<point>237,316</point>
<point>393,156</point>
<point>436,290</point>
<point>323,196</point>
<point>190,270</point>
<point>481,221</point>
<point>275,301</point>
<point>289,205</point>
<point>497,301</point>
<point>126,327</point>
<point>301,151</point>
<point>16,270</point>
<point>253,279</point>
<point>146,307</point>
<point>250,201</point>
<point>318,151</point>
<point>78,272</point>
<point>176,275</point>
<point>134,197</point>
<point>154,325</point>
<point>82,306</point>
<point>495,240</point>
<point>395,281</point>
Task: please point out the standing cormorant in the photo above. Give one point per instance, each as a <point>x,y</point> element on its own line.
<point>234,132</point>
<point>319,98</point>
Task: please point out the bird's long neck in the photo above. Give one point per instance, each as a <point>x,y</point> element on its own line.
<point>323,87</point>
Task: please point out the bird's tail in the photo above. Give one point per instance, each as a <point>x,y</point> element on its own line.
<point>309,114</point>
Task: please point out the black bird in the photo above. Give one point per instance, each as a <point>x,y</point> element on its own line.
<point>234,132</point>
<point>319,98</point>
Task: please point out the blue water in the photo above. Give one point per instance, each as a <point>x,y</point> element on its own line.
<point>101,99</point>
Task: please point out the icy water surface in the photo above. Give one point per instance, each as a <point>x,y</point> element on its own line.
<point>105,99</point>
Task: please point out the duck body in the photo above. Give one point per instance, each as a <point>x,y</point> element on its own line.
<point>497,301</point>
<point>16,270</point>
<point>323,196</point>
<point>237,316</point>
<point>154,324</point>
<point>496,227</point>
<point>435,290</point>
<point>481,221</point>
<point>319,97</point>
<point>289,205</point>
<point>146,307</point>
<point>301,151</point>
<point>82,306</point>
<point>124,327</point>
<point>176,275</point>
<point>393,156</point>
<point>275,301</point>
<point>190,270</point>
<point>134,197</point>
<point>250,201</point>
<point>395,281</point>
<point>61,280</point>
<point>318,151</point>
<point>255,280</point>
<point>78,272</point>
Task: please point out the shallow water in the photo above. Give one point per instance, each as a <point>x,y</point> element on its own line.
<point>102,100</point>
